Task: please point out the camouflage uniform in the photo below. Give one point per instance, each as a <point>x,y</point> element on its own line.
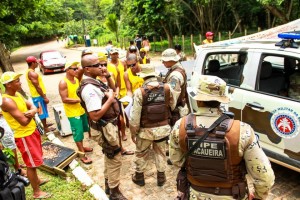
<point>146,136</point>
<point>294,90</point>
<point>176,80</point>
<point>257,164</point>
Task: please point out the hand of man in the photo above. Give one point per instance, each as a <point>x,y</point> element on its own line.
<point>110,94</point>
<point>46,100</point>
<point>104,71</point>
<point>29,113</point>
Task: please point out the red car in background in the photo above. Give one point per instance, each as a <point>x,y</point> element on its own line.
<point>52,61</point>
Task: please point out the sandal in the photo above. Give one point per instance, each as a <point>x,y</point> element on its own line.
<point>88,149</point>
<point>124,138</point>
<point>127,153</point>
<point>43,182</point>
<point>86,160</point>
<point>44,196</point>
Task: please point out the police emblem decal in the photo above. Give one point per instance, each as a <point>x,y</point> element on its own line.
<point>285,122</point>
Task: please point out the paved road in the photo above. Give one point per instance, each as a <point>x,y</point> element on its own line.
<point>287,186</point>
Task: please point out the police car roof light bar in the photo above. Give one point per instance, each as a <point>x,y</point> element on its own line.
<point>288,39</point>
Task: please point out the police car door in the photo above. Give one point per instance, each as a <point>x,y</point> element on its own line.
<point>271,113</point>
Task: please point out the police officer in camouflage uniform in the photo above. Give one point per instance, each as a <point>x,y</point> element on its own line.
<point>217,166</point>
<point>103,111</point>
<point>149,124</point>
<point>177,79</point>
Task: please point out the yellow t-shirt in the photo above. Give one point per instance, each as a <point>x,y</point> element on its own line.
<point>135,81</point>
<point>19,130</point>
<point>73,110</point>
<point>32,89</point>
<point>112,68</point>
<point>206,41</point>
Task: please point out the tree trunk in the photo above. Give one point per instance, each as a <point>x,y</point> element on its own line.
<point>277,13</point>
<point>4,59</point>
<point>169,35</point>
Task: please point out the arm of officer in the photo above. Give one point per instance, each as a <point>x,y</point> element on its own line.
<point>175,82</point>
<point>176,154</point>
<point>92,97</point>
<point>257,163</point>
<point>135,113</point>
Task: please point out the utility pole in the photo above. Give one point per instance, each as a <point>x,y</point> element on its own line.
<point>83,26</point>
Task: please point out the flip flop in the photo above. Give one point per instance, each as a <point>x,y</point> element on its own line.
<point>45,196</point>
<point>44,181</point>
<point>88,149</point>
<point>51,129</point>
<point>86,160</point>
<point>127,153</point>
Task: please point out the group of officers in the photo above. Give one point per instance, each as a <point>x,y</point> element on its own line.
<point>214,152</point>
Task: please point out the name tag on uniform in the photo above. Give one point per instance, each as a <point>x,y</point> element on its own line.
<point>208,149</point>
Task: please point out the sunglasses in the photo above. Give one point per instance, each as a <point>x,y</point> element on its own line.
<point>103,65</point>
<point>95,65</point>
<point>131,65</point>
<point>74,69</point>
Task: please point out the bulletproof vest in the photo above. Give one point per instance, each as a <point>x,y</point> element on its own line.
<point>156,106</point>
<point>113,111</point>
<point>183,95</point>
<point>215,163</point>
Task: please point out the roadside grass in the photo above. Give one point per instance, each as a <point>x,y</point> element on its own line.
<point>61,189</point>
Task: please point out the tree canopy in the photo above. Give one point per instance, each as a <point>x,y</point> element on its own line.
<point>34,20</point>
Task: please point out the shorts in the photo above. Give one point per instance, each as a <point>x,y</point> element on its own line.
<point>8,140</point>
<point>31,149</point>
<point>41,106</point>
<point>79,125</point>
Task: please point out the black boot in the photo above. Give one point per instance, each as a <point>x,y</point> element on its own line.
<point>107,190</point>
<point>161,178</point>
<point>138,178</point>
<point>115,194</point>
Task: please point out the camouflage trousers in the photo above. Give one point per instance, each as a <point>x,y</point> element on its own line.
<point>112,170</point>
<point>195,195</point>
<point>143,154</point>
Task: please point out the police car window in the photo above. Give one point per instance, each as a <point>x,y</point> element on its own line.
<point>279,76</point>
<point>228,66</point>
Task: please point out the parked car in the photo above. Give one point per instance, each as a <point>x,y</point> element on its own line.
<point>52,61</point>
<point>258,75</point>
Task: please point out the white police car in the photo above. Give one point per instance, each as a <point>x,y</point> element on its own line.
<point>263,79</point>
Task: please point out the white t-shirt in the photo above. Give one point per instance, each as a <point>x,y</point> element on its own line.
<point>92,96</point>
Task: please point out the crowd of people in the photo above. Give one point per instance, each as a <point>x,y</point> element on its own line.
<point>213,151</point>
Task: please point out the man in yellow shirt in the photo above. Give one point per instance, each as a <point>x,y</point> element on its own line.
<point>38,91</point>
<point>19,114</point>
<point>74,111</point>
<point>209,38</point>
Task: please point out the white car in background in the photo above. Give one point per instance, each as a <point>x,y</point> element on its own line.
<point>257,74</point>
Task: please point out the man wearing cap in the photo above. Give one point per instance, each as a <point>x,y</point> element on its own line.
<point>143,58</point>
<point>38,91</point>
<point>118,68</point>
<point>19,114</point>
<point>176,78</point>
<point>209,38</point>
<point>74,111</point>
<point>149,124</point>
<point>215,151</point>
<point>103,110</point>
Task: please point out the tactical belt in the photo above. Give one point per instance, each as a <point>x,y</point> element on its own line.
<point>215,191</point>
<point>155,124</point>
<point>162,139</point>
<point>116,151</point>
<point>98,125</point>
